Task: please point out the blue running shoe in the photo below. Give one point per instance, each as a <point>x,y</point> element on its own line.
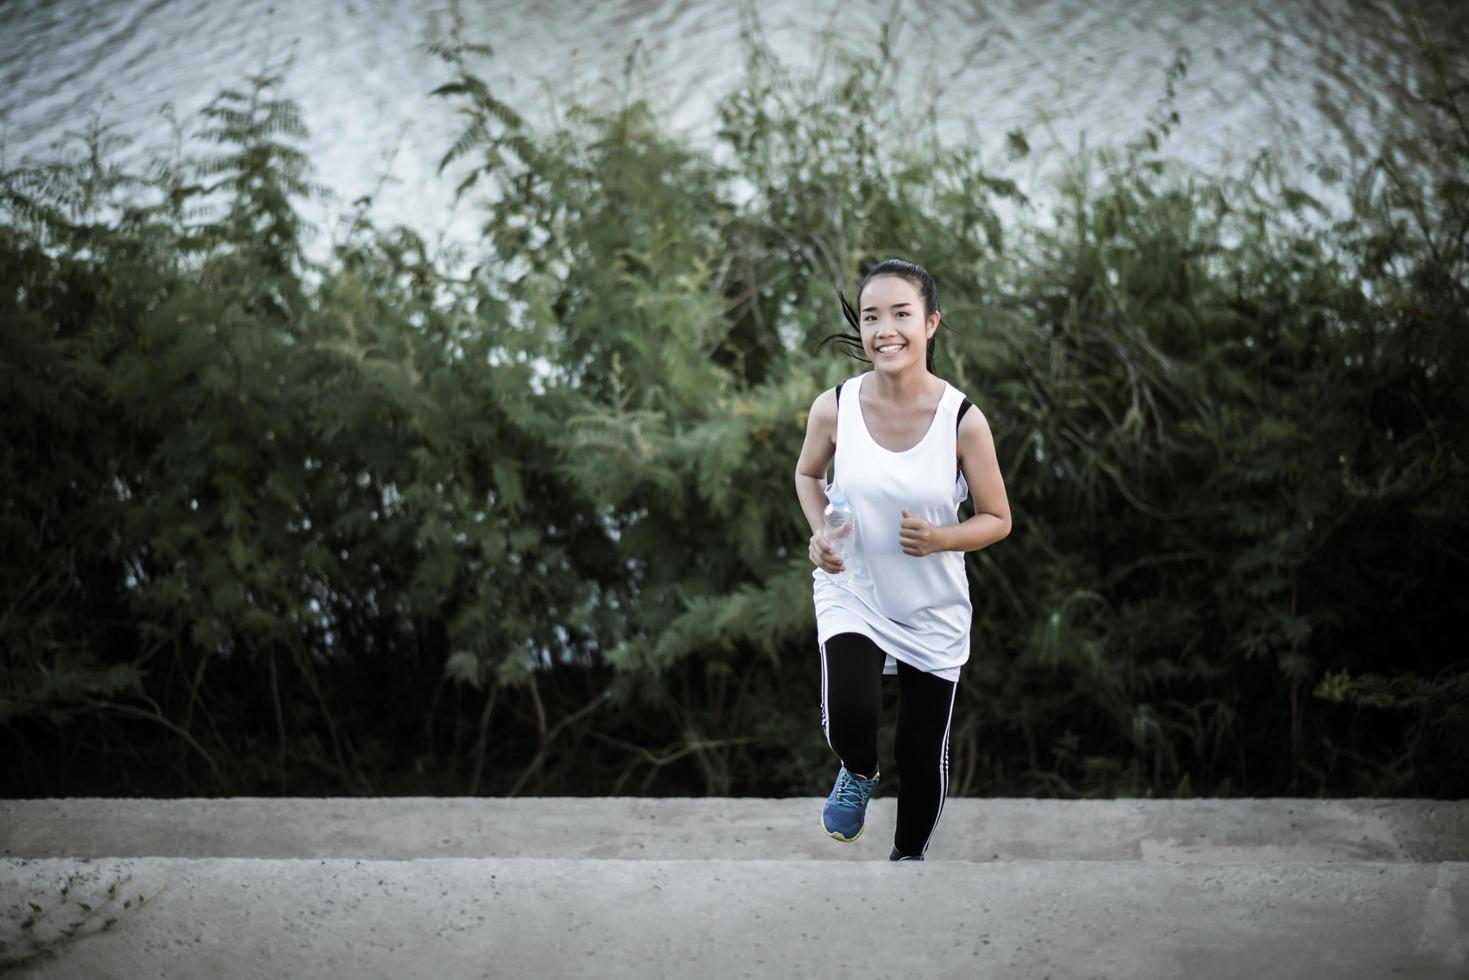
<point>846,808</point>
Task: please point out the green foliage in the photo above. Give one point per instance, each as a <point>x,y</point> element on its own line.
<point>374,523</point>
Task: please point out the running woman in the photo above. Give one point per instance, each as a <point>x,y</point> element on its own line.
<point>908,448</point>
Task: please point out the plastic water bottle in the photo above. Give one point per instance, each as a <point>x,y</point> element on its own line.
<point>841,531</point>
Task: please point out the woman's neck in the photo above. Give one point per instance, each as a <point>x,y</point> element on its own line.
<point>908,386</point>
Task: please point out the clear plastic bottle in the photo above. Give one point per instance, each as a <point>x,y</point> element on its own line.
<point>841,531</point>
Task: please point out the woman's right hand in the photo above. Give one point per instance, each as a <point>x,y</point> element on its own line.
<point>823,555</point>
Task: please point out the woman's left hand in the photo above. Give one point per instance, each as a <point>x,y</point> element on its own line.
<point>917,536</point>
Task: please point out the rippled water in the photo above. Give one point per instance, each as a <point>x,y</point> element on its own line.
<point>1306,79</point>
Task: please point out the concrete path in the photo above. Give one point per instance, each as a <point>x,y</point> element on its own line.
<point>456,887</point>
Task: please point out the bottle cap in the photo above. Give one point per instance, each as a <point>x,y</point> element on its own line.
<point>837,498</point>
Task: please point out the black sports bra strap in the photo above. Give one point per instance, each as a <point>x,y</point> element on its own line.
<point>839,405</point>
<point>964,406</point>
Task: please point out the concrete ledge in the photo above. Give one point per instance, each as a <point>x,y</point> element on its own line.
<point>1269,831</point>
<point>459,917</point>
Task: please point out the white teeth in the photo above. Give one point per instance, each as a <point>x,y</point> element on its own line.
<point>890,348</point>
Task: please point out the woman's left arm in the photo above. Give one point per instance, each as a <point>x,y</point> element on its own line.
<point>981,466</point>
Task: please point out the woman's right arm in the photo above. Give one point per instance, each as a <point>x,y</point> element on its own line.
<point>816,456</point>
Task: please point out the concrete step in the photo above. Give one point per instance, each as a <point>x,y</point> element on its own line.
<point>596,918</point>
<point>1269,831</point>
<point>449,887</point>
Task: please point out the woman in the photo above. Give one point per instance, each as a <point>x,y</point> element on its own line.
<point>908,448</point>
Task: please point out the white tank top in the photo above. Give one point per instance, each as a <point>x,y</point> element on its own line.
<point>917,610</point>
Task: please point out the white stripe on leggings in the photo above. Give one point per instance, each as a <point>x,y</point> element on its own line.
<point>943,769</point>
<point>825,722</point>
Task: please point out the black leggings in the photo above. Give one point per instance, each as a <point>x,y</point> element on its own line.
<point>851,705</point>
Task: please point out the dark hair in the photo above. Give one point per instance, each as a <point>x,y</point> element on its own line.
<point>911,271</point>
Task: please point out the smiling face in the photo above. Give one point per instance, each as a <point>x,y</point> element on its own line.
<point>895,331</point>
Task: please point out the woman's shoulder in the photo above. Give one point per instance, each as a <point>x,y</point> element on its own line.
<point>824,408</point>
<point>967,413</point>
